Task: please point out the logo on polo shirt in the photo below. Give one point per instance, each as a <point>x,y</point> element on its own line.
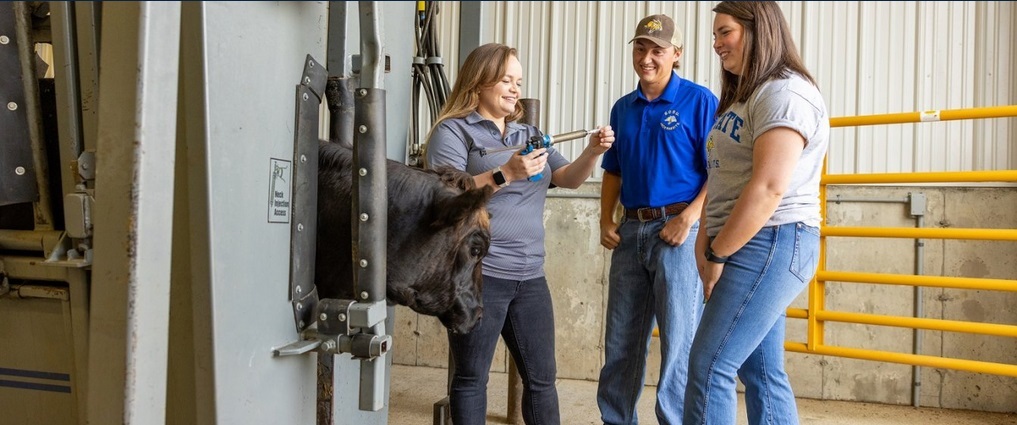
<point>670,120</point>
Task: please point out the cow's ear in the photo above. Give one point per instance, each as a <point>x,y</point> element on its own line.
<point>453,210</point>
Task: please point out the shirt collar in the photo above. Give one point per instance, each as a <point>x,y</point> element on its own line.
<point>670,91</point>
<point>510,126</point>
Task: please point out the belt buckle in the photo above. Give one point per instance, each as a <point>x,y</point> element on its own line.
<point>649,213</point>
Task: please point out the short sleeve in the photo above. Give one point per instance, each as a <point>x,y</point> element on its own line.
<point>447,146</point>
<point>788,107</point>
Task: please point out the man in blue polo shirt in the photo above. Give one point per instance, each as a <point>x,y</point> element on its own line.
<point>657,170</point>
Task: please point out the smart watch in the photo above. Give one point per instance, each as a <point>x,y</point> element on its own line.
<point>714,258</point>
<point>499,177</point>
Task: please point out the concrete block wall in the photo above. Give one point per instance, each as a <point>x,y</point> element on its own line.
<point>577,269</point>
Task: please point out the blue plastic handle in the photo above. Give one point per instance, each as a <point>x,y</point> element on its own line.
<point>545,142</point>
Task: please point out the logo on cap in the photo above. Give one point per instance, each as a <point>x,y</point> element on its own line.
<point>659,29</point>
<point>654,26</point>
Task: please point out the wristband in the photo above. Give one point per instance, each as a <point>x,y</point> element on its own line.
<point>714,258</point>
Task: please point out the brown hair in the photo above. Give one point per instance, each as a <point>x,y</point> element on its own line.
<point>768,53</point>
<point>482,69</point>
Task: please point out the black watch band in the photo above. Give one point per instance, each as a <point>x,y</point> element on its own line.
<point>499,177</point>
<point>714,258</point>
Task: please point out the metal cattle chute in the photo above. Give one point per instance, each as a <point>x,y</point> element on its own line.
<point>157,226</point>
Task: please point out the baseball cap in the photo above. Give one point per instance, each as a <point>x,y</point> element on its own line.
<point>659,29</point>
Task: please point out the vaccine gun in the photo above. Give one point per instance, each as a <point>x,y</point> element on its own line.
<point>543,141</point>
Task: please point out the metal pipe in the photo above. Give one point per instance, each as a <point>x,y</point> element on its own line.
<point>938,177</point>
<point>919,311</point>
<point>928,233</point>
<point>370,185</point>
<point>970,283</point>
<point>29,240</point>
<point>370,47</point>
<point>370,189</point>
<point>926,116</point>
<point>891,200</point>
<point>339,97</point>
<point>88,27</point>
<point>370,197</point>
<point>916,345</point>
<point>905,358</point>
<point>531,116</point>
<point>33,114</point>
<point>993,329</point>
<point>65,58</point>
<point>341,83</point>
<point>339,93</point>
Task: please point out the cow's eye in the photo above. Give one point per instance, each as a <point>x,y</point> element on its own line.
<point>475,251</point>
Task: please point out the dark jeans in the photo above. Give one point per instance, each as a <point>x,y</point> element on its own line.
<point>521,312</point>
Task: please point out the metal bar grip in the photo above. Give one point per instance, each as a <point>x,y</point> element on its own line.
<point>572,135</point>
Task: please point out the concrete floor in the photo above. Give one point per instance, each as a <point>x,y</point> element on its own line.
<point>415,389</point>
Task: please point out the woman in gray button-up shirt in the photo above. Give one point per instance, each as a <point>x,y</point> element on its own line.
<point>482,115</point>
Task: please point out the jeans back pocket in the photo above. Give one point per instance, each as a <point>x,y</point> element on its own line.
<point>806,255</point>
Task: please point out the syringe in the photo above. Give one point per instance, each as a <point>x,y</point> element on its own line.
<point>544,141</point>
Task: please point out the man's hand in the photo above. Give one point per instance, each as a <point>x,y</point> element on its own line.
<point>676,230</point>
<point>609,237</point>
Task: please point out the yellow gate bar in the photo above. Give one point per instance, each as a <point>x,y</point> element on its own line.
<point>908,359</point>
<point>926,116</point>
<point>920,233</point>
<point>798,313</point>
<point>915,280</point>
<point>918,323</point>
<point>935,177</point>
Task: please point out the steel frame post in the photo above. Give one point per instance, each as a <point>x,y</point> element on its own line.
<point>133,216</point>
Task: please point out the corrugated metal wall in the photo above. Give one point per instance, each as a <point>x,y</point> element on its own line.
<point>869,58</point>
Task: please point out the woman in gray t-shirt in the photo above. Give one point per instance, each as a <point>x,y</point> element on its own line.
<point>761,246</point>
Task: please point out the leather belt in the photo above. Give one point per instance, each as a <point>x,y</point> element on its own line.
<point>650,214</point>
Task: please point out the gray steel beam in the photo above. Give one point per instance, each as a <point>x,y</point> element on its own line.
<point>471,30</point>
<point>240,62</point>
<point>134,213</point>
<point>68,91</point>
<point>88,17</point>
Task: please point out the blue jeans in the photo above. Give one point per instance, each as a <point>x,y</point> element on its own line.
<point>521,312</point>
<point>649,279</point>
<point>742,330</point>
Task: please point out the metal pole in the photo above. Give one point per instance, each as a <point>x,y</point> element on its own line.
<point>531,116</point>
<point>917,206</point>
<point>68,91</point>
<point>370,197</point>
<point>341,81</point>
<point>471,27</point>
<point>917,203</point>
<point>370,184</point>
<point>129,314</point>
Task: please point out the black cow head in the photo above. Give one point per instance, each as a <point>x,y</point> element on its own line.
<point>438,233</point>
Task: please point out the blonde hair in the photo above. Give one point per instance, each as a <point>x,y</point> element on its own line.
<point>483,68</point>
